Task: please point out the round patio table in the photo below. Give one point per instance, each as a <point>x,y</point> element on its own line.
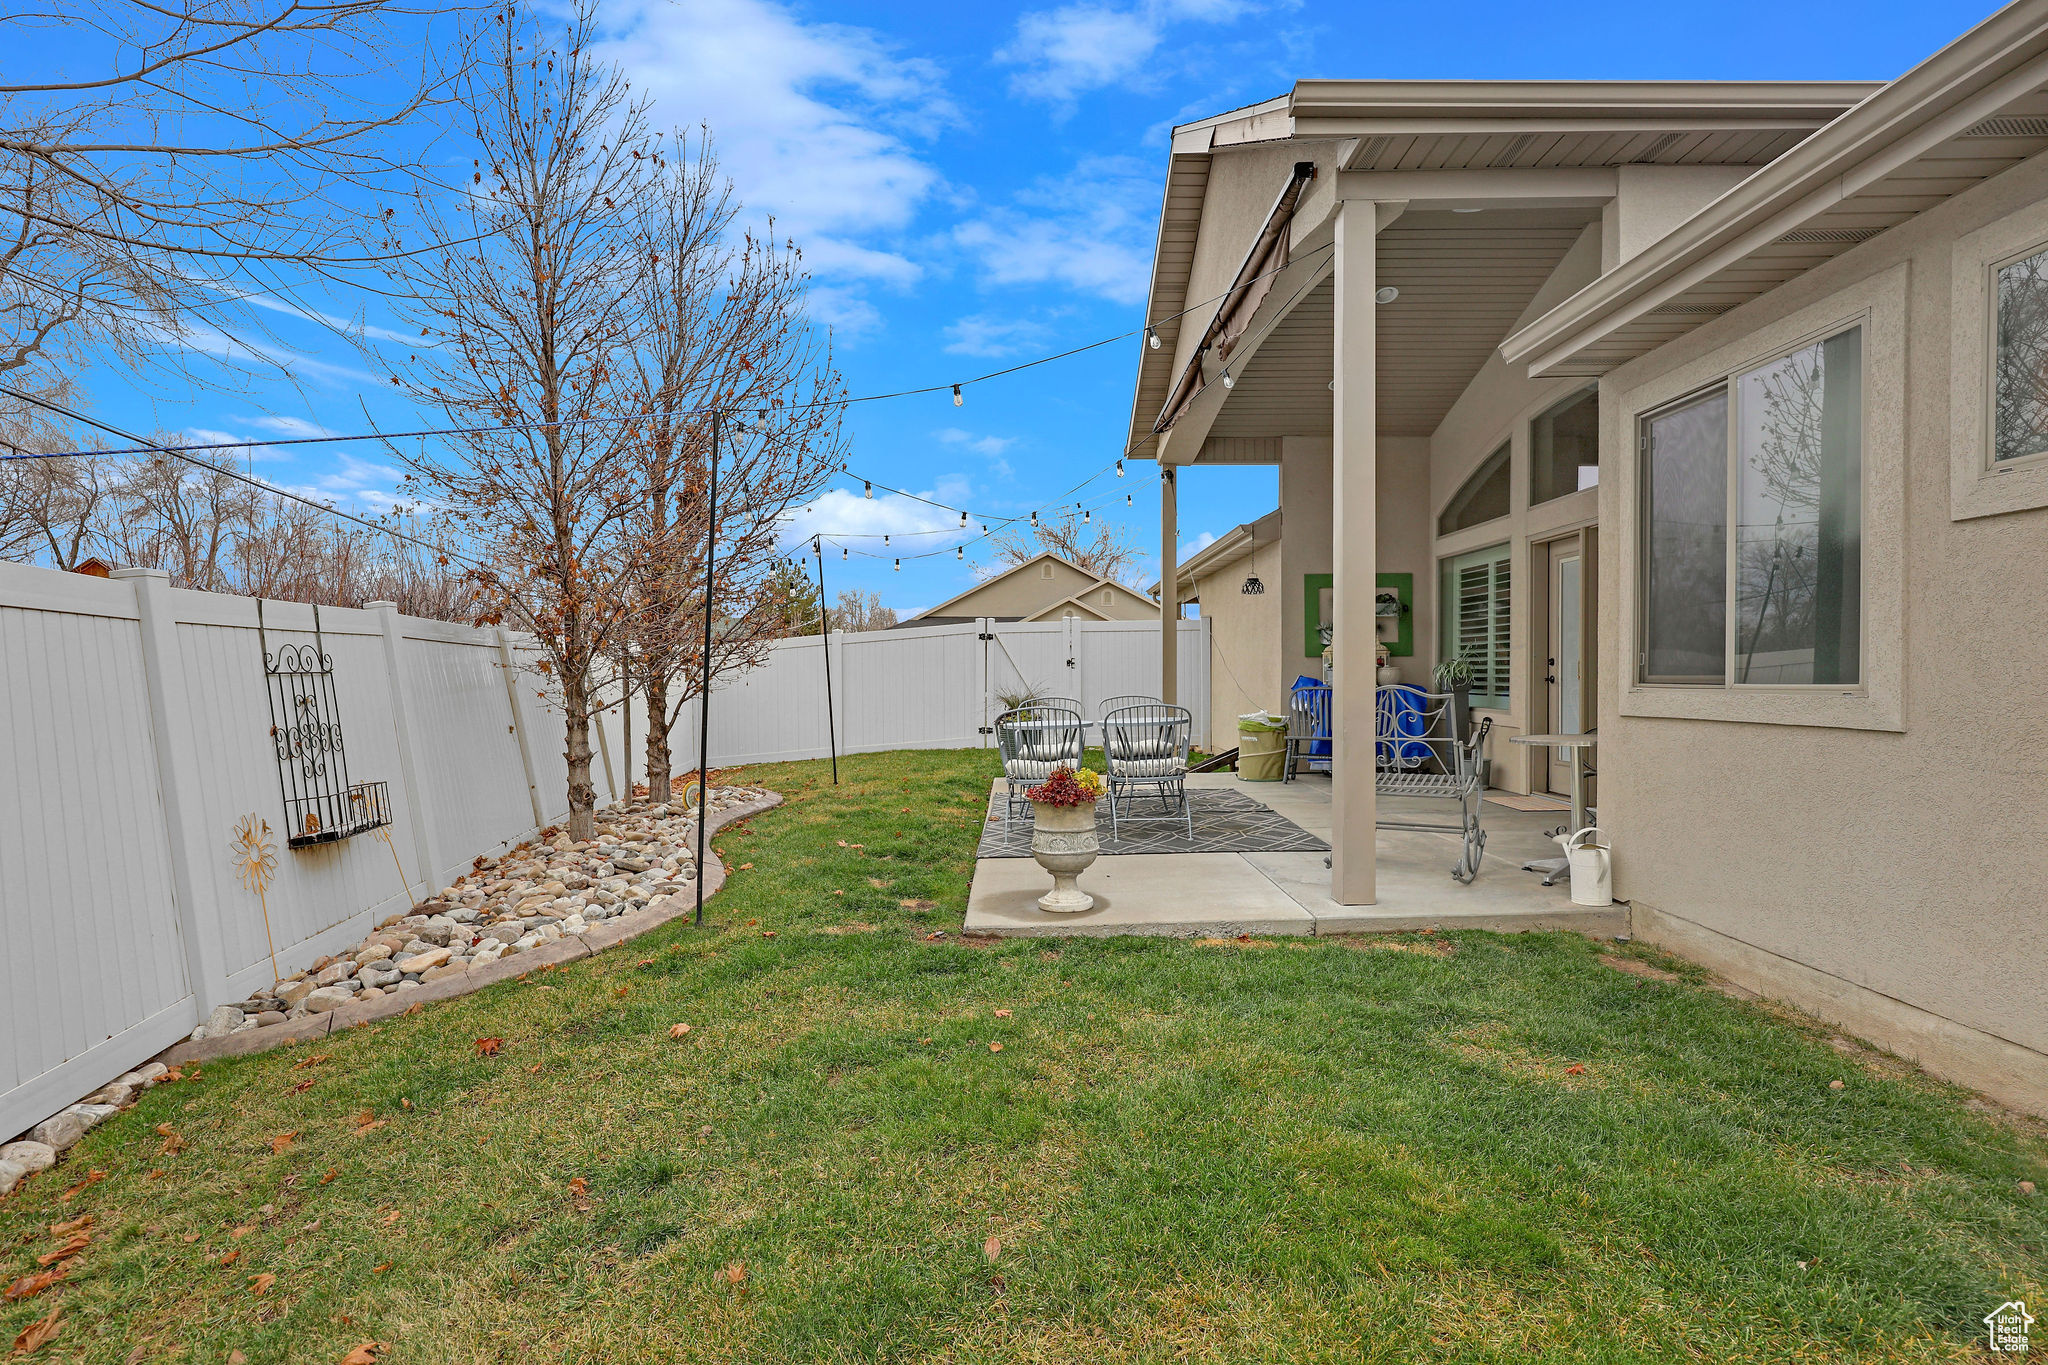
<point>1575,745</point>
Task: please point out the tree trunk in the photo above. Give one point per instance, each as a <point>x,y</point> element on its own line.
<point>582,793</point>
<point>658,756</point>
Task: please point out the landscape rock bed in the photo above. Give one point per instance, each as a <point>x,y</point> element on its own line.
<point>547,902</point>
<point>534,895</point>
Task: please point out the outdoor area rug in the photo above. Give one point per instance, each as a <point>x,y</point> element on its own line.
<point>1225,822</point>
<point>1517,801</point>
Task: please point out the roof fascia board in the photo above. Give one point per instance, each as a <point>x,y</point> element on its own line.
<point>1917,112</point>
<point>1696,102</point>
<point>1279,104</point>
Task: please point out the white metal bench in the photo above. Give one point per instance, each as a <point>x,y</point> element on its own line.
<point>1418,754</point>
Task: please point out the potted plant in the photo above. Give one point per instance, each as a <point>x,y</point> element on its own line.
<point>1454,675</point>
<point>1063,835</point>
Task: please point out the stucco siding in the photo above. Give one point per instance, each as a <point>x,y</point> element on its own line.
<point>1907,866</point>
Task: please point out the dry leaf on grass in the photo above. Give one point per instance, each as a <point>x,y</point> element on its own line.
<point>314,1060</point>
<point>282,1141</point>
<point>579,1194</point>
<point>366,1354</point>
<point>259,1285</point>
<point>229,1258</point>
<point>28,1286</point>
<point>79,1242</point>
<point>622,990</point>
<point>1002,1014</point>
<point>38,1333</point>
<point>237,1358</point>
<point>243,1231</point>
<point>678,1030</point>
<point>744,867</point>
<point>991,1247</point>
<point>488,1047</point>
<point>367,1122</point>
<point>91,1178</point>
<point>995,1047</point>
<point>767,933</point>
<point>392,1217</point>
<point>736,1272</point>
<point>1575,1069</point>
<point>332,1171</point>
<point>416,1007</point>
<point>380,1269</point>
<point>301,1088</point>
<point>173,1144</point>
<point>71,1225</point>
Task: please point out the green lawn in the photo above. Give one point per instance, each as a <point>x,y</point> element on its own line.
<point>1311,1150</point>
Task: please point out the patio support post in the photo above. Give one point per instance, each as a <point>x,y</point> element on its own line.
<point>1169,588</point>
<point>1354,546</point>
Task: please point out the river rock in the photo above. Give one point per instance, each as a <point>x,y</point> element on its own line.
<point>442,972</point>
<point>383,974</point>
<point>33,1156</point>
<point>334,973</point>
<point>421,962</point>
<point>11,1174</point>
<point>59,1131</point>
<point>375,952</point>
<point>222,1021</point>
<point>294,993</point>
<point>327,998</point>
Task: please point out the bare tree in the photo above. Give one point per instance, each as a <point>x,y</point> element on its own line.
<point>857,610</point>
<point>525,314</point>
<point>719,325</point>
<point>1095,545</point>
<point>184,152</point>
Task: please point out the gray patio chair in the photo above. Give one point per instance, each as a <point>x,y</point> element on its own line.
<point>1418,753</point>
<point>1145,748</point>
<point>1063,703</point>
<point>1110,704</point>
<point>1033,739</point>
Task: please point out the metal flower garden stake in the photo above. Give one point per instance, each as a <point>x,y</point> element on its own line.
<point>256,864</point>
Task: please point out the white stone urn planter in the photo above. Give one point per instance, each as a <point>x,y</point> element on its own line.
<point>1063,843</point>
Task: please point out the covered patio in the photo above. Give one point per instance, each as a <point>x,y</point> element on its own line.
<point>1252,890</point>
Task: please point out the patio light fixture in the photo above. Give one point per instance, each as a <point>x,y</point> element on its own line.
<point>958,401</point>
<point>1385,294</point>
<point>1152,338</point>
<point>1252,586</point>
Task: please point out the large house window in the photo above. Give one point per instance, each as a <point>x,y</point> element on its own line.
<point>1752,553</point>
<point>1483,497</point>
<point>2019,393</point>
<point>1564,448</point>
<point>1475,604</point>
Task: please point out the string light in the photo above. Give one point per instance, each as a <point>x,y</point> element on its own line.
<point>870,487</point>
<point>885,537</point>
<point>1034,518</point>
<point>1119,469</point>
<point>958,399</point>
<point>960,552</point>
<point>963,521</point>
<point>1152,338</point>
<point>1228,382</point>
<point>899,566</point>
<point>842,552</point>
<point>1084,516</point>
<point>1127,499</point>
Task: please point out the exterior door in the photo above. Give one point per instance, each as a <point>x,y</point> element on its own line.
<point>1564,672</point>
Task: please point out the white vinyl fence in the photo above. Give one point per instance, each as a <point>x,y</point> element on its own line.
<point>136,736</point>
<point>930,687</point>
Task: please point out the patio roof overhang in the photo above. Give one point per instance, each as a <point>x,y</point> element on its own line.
<point>1441,145</point>
<point>1972,110</point>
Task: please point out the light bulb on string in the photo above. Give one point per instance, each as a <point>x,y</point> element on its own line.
<point>960,552</point>
<point>899,566</point>
<point>1127,499</point>
<point>1034,518</point>
<point>958,400</point>
<point>885,537</point>
<point>870,486</point>
<point>842,552</point>
<point>1084,516</point>
<point>1152,338</point>
<point>963,519</point>
<point>1119,469</point>
<point>1228,382</point>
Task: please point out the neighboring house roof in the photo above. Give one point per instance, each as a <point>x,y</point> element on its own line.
<point>1024,592</point>
<point>1973,109</point>
<point>1222,552</point>
<point>1389,126</point>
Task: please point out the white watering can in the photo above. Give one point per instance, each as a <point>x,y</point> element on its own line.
<point>1591,860</point>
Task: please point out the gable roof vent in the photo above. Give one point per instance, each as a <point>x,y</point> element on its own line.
<point>1846,235</point>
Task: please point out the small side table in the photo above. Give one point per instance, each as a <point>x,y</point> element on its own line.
<point>1575,745</point>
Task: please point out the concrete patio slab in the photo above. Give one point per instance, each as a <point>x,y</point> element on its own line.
<point>1199,894</point>
<point>1178,895</point>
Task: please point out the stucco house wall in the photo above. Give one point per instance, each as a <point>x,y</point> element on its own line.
<point>1244,643</point>
<point>1038,589</point>
<point>1878,858</point>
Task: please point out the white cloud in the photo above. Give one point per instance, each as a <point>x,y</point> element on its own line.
<point>990,446</point>
<point>986,335</point>
<point>244,449</point>
<point>1065,52</point>
<point>1090,230</point>
<point>814,121</point>
<point>914,527</point>
<point>1196,546</point>
<point>287,426</point>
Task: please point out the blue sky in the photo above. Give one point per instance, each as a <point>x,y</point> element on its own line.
<point>977,184</point>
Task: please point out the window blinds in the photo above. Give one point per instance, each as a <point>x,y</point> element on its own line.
<point>1479,624</point>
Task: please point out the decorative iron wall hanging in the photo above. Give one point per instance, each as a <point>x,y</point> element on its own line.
<point>321,805</point>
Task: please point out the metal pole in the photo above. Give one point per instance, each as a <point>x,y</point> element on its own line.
<point>704,683</point>
<point>825,629</point>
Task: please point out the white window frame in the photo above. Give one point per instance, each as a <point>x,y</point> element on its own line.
<point>1501,552</point>
<point>1980,486</point>
<point>1878,305</point>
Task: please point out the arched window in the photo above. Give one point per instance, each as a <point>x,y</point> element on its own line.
<point>1484,496</point>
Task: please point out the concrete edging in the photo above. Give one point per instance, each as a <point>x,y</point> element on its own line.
<point>569,948</point>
